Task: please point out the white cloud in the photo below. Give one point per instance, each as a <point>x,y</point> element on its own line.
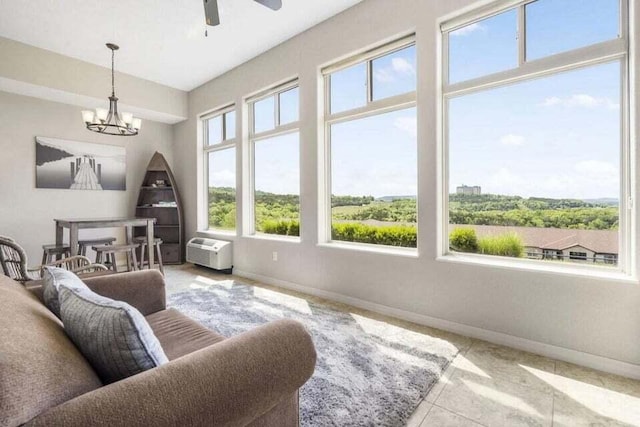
<point>580,100</point>
<point>381,180</point>
<point>402,66</point>
<point>384,75</point>
<point>598,171</point>
<point>398,67</point>
<point>587,179</point>
<point>407,124</point>
<point>512,140</point>
<point>223,178</point>
<point>469,29</point>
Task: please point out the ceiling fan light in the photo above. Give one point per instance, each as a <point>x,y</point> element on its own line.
<point>88,116</point>
<point>102,113</point>
<point>136,123</point>
<point>127,118</point>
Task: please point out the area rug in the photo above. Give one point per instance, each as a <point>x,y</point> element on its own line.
<point>368,372</point>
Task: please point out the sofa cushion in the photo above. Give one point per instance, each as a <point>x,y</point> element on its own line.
<point>113,336</point>
<point>179,335</point>
<point>39,366</point>
<point>52,279</point>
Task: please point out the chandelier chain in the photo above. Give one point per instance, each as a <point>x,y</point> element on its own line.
<point>113,85</point>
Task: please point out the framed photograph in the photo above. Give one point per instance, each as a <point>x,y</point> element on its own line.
<point>74,165</point>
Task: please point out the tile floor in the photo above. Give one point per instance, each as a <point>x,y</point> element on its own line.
<point>492,385</point>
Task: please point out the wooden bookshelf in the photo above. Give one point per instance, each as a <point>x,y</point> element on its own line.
<point>162,201</point>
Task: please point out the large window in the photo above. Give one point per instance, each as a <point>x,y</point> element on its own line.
<point>535,149</point>
<point>371,147</point>
<point>219,132</point>
<point>275,159</point>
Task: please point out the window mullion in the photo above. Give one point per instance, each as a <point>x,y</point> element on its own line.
<point>276,109</point>
<point>224,127</point>
<point>369,82</point>
<point>522,35</point>
<point>578,58</point>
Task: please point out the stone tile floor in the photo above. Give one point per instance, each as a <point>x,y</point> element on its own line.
<point>488,384</point>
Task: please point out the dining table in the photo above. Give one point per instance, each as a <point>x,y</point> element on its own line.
<point>76,224</point>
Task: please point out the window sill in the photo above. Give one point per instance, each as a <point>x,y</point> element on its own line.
<point>377,249</point>
<point>274,237</point>
<point>223,234</point>
<point>538,267</point>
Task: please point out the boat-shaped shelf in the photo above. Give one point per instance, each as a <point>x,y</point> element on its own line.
<point>159,198</point>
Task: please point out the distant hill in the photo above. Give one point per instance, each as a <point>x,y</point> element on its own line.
<point>392,198</point>
<point>46,153</point>
<point>603,201</point>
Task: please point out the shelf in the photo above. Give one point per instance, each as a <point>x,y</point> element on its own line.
<point>169,219</point>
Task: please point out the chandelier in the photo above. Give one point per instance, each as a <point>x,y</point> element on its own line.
<point>110,122</point>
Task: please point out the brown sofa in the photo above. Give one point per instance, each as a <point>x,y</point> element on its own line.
<point>251,379</point>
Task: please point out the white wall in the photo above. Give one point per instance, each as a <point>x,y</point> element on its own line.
<point>590,315</point>
<point>31,71</point>
<point>27,213</point>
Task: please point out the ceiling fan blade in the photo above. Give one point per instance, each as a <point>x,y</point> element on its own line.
<point>211,12</point>
<point>271,4</point>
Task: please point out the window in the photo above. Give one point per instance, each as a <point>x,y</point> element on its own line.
<point>537,128</point>
<point>371,146</point>
<point>551,254</point>
<point>578,256</point>
<point>219,131</point>
<point>275,151</point>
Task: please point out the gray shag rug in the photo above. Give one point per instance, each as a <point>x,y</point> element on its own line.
<point>368,373</point>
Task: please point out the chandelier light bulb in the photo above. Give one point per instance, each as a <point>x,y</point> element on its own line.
<point>88,116</point>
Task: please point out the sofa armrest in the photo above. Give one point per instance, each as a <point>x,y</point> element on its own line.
<point>229,383</point>
<point>145,289</point>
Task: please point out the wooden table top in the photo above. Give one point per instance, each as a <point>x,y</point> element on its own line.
<point>103,222</point>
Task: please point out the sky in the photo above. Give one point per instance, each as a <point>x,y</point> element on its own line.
<point>556,137</point>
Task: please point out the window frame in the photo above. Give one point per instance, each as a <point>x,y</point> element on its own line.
<point>207,149</point>
<point>371,108</point>
<point>249,229</point>
<point>614,50</point>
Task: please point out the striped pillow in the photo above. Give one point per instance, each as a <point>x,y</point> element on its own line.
<point>112,335</point>
<point>53,277</point>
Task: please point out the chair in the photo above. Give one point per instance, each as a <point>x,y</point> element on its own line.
<point>13,260</point>
<point>83,245</point>
<point>143,245</point>
<point>51,251</point>
<point>109,253</point>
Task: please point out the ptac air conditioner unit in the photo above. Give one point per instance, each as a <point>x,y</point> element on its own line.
<point>216,254</point>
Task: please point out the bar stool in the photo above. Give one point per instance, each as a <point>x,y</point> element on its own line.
<point>110,251</point>
<point>83,245</point>
<point>51,251</point>
<point>142,240</point>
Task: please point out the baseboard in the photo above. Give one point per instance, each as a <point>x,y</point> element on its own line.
<point>589,360</point>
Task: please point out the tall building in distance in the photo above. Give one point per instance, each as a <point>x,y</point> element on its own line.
<point>468,190</point>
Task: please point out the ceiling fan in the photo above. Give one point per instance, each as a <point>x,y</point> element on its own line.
<point>213,17</point>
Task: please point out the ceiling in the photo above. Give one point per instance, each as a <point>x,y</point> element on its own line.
<point>161,40</point>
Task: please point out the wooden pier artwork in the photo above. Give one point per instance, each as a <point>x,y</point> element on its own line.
<point>85,174</point>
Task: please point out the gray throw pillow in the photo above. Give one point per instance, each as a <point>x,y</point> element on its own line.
<point>112,335</point>
<point>53,277</point>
